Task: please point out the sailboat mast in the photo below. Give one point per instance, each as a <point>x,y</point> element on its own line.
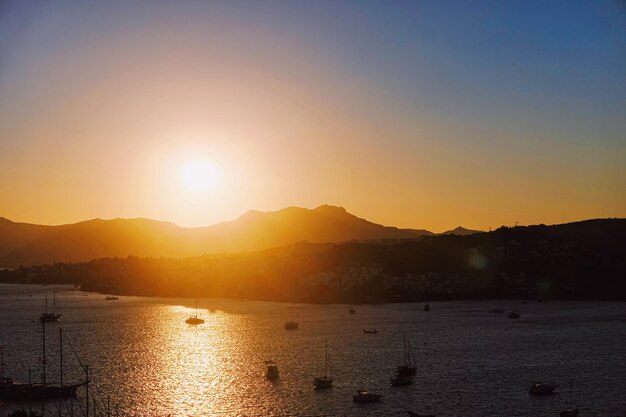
<point>54,302</point>
<point>43,349</point>
<point>406,360</point>
<point>30,386</point>
<point>87,391</point>
<point>61,354</point>
<point>571,395</point>
<point>1,362</point>
<point>408,353</point>
<point>46,304</point>
<point>326,360</point>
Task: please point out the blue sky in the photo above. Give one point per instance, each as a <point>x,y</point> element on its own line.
<point>426,82</point>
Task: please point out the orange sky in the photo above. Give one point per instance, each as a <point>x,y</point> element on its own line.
<point>102,110</point>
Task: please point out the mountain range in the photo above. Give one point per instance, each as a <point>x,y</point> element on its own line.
<point>28,244</point>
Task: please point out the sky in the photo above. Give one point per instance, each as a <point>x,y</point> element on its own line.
<point>421,114</point>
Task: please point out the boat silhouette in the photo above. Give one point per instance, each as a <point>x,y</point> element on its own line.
<point>195,320</point>
<point>325,381</point>
<point>50,317</point>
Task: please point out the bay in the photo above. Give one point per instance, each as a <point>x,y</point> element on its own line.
<point>146,361</point>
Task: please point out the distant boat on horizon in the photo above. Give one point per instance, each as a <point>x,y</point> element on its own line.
<point>50,317</point>
<point>325,381</point>
<point>370,331</point>
<point>111,298</point>
<point>352,310</point>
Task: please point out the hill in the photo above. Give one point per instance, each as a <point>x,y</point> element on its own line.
<point>28,244</point>
<point>583,260</point>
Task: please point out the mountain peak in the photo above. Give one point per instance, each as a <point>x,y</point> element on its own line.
<point>330,209</point>
<point>461,231</point>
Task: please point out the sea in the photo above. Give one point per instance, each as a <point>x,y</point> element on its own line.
<point>144,360</point>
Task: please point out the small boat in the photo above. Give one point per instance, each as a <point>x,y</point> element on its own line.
<point>195,320</point>
<point>414,414</point>
<point>50,317</point>
<point>111,298</point>
<point>572,412</point>
<point>496,310</point>
<point>352,310</point>
<point>514,314</point>
<point>539,388</point>
<point>401,380</point>
<point>291,325</point>
<point>272,370</point>
<point>325,381</point>
<point>363,396</point>
<point>370,331</point>
<point>427,307</point>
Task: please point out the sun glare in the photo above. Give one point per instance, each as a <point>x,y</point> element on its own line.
<point>198,175</point>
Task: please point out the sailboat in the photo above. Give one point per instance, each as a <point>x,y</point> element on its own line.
<point>45,390</point>
<point>571,412</point>
<point>514,314</point>
<point>195,320</point>
<point>12,391</point>
<point>7,385</point>
<point>409,368</point>
<point>325,381</point>
<point>50,317</point>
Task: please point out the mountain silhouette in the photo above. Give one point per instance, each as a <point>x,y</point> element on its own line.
<point>460,231</point>
<point>26,244</point>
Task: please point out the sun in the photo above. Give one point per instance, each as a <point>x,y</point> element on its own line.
<point>198,175</point>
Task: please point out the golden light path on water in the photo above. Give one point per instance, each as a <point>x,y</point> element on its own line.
<point>196,357</point>
<point>212,368</point>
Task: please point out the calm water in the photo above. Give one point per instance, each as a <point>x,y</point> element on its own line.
<point>470,362</point>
